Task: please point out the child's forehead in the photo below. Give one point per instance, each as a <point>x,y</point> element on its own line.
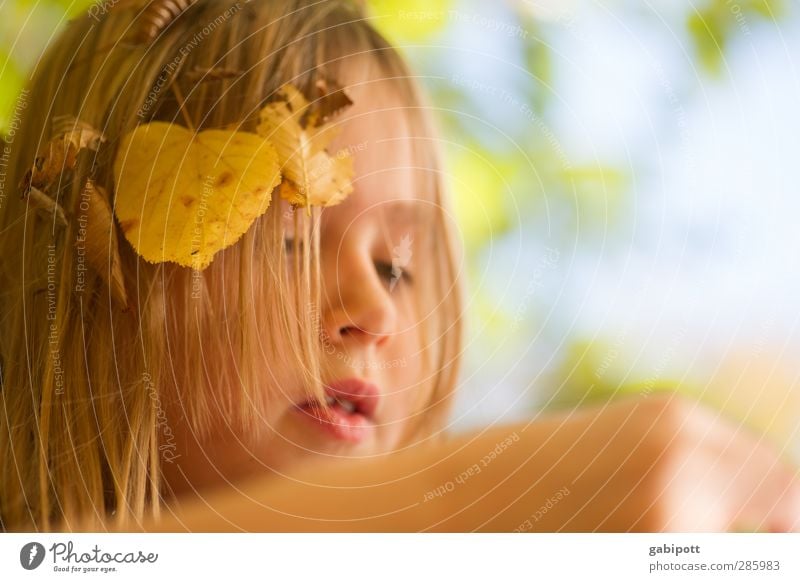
<point>388,204</point>
<point>376,128</point>
<point>377,133</point>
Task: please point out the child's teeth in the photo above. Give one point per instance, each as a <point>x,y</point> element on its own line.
<point>347,405</point>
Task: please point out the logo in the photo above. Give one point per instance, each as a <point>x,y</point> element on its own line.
<point>31,555</point>
<point>401,257</point>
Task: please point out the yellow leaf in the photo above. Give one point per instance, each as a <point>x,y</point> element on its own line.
<point>300,137</point>
<point>183,196</point>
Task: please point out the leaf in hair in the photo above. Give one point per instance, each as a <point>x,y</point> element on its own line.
<point>183,196</point>
<point>60,155</point>
<point>102,247</point>
<point>44,204</point>
<point>311,175</point>
<point>331,100</point>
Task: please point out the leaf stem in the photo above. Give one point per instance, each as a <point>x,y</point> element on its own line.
<point>181,103</point>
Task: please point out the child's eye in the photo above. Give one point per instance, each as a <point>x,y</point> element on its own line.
<point>390,273</point>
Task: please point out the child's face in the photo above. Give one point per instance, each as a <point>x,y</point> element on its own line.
<point>368,321</point>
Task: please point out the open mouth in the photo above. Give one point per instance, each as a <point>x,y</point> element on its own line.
<point>348,411</point>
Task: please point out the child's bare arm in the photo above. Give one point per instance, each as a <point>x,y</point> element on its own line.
<point>650,464</point>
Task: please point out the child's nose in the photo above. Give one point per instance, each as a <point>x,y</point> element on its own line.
<point>359,306</point>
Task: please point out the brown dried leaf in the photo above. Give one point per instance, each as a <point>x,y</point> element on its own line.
<point>316,177</point>
<point>59,155</point>
<point>288,191</point>
<point>68,124</point>
<point>42,203</point>
<point>331,100</point>
<point>48,166</point>
<point>82,138</point>
<point>102,248</point>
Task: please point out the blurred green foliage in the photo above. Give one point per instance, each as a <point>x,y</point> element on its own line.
<point>600,371</point>
<point>26,26</point>
<point>410,21</point>
<point>712,26</point>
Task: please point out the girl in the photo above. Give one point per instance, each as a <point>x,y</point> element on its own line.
<point>301,382</point>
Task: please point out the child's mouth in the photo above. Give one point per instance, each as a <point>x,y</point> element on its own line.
<point>347,413</point>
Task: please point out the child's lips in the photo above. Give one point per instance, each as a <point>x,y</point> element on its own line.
<point>348,414</point>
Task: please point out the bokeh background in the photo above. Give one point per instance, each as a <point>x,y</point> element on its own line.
<point>626,181</point>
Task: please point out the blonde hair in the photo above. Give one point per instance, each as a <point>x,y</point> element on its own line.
<point>85,383</point>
